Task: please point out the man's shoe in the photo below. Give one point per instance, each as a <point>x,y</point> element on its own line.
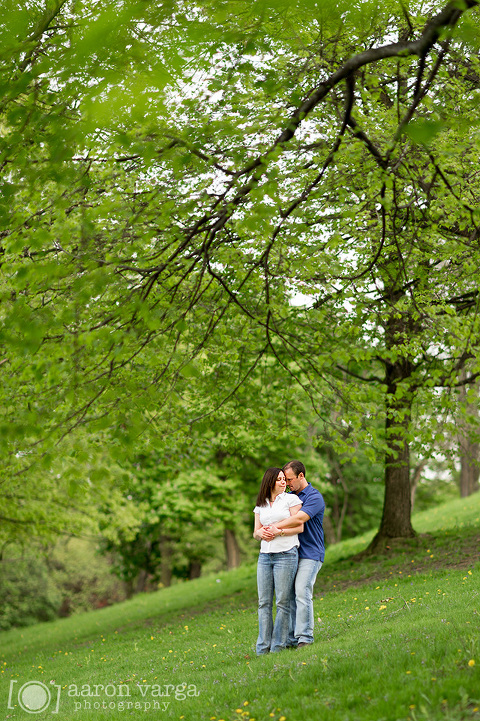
<point>303,643</point>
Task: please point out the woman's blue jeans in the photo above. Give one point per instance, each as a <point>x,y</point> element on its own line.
<point>275,573</point>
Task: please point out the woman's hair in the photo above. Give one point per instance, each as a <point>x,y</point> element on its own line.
<point>268,484</point>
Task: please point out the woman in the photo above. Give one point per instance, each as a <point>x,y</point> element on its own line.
<point>277,561</point>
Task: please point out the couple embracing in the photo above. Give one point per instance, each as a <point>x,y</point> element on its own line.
<point>292,550</point>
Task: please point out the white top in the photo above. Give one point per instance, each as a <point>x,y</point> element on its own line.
<point>279,510</point>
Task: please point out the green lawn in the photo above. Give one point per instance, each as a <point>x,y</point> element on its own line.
<point>397,637</point>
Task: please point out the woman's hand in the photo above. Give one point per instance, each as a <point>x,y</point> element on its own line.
<point>263,534</point>
<point>270,532</point>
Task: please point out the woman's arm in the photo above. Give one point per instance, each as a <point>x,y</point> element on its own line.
<point>257,527</point>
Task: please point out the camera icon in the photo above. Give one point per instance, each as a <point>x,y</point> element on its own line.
<point>34,697</point>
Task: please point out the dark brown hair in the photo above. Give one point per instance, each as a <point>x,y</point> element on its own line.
<point>296,466</point>
<point>268,484</point>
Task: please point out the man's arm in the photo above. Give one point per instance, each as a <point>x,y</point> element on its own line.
<point>285,531</point>
<point>299,517</point>
<point>313,505</point>
<point>288,524</point>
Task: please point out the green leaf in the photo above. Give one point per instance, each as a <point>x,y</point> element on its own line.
<point>424,131</point>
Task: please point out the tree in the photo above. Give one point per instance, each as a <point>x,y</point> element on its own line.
<point>469,449</point>
<point>163,203</point>
<point>183,518</point>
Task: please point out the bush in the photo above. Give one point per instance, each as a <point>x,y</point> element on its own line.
<point>41,585</point>
<point>27,593</point>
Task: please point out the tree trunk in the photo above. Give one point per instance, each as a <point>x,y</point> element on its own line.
<point>129,588</point>
<point>166,572</point>
<point>469,470</point>
<point>330,535</point>
<point>416,475</point>
<point>469,451</point>
<point>333,523</point>
<point>194,569</point>
<point>397,507</point>
<point>165,562</point>
<point>141,581</point>
<point>232,549</point>
<point>343,511</point>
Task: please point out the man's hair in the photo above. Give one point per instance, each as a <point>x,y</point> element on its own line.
<point>296,466</point>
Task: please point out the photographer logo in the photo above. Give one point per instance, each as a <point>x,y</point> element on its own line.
<point>34,697</point>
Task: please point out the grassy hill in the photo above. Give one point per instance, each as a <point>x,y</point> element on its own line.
<point>397,637</point>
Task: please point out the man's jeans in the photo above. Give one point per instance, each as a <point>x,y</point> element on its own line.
<point>301,610</point>
<point>275,572</point>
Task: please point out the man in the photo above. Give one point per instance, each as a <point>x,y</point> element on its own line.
<point>311,553</point>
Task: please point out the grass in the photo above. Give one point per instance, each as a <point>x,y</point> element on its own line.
<point>396,639</point>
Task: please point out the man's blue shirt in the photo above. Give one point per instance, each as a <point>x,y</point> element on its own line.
<point>312,544</point>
